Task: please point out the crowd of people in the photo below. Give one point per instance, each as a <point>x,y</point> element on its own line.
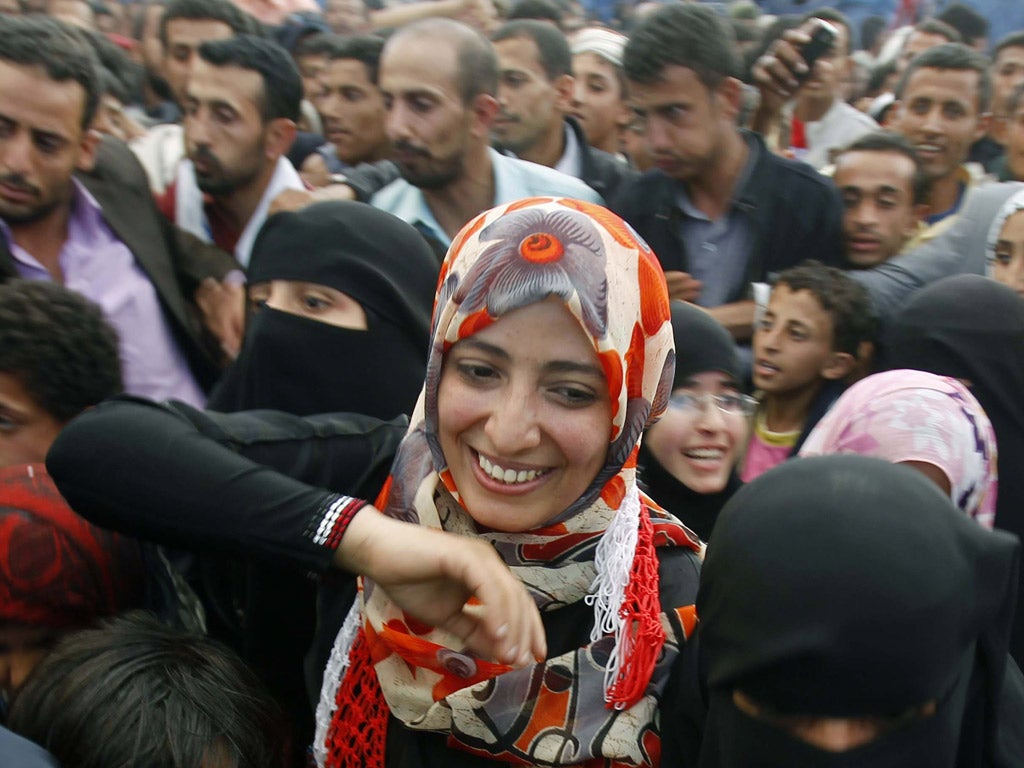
<point>475,383</point>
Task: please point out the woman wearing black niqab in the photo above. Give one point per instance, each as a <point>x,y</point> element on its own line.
<point>861,599</point>
<point>303,366</point>
<point>972,328</point>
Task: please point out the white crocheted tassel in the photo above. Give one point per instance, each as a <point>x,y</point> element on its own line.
<point>333,674</point>
<point>614,561</point>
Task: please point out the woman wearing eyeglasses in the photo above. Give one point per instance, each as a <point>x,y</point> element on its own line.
<point>688,459</point>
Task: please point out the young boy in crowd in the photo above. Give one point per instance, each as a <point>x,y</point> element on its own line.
<point>58,356</point>
<point>804,348</point>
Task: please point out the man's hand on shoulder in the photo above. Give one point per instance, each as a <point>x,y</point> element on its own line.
<point>296,199</point>
<point>223,309</point>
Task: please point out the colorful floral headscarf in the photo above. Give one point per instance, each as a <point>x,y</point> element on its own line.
<point>906,415</point>
<point>600,549</point>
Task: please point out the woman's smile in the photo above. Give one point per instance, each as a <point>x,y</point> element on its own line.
<point>524,417</point>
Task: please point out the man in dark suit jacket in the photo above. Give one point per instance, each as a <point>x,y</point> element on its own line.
<point>77,209</point>
<point>721,212</point>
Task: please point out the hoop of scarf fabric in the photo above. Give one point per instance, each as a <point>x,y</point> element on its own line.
<point>56,569</point>
<point>599,701</point>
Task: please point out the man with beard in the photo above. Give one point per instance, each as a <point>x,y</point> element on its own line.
<point>171,38</point>
<point>439,80</point>
<point>75,209</point>
<point>241,103</point>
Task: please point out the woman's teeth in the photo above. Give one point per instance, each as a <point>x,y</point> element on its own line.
<point>507,475</point>
<point>705,453</point>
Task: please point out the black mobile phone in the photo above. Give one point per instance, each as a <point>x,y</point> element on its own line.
<point>822,39</point>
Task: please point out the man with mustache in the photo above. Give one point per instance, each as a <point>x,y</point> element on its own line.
<point>241,104</point>
<point>439,79</point>
<point>76,209</point>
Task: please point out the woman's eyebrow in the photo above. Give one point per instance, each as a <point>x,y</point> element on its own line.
<point>553,366</point>
<point>483,346</point>
<point>568,366</point>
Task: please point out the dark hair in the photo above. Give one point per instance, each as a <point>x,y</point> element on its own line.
<point>832,16</point>
<point>955,56</point>
<point>362,48</point>
<point>542,10</point>
<point>119,75</point>
<point>968,22</point>
<point>843,297</point>
<point>241,23</point>
<point>890,141</point>
<point>136,693</point>
<point>58,345</point>
<point>871,29</point>
<point>1012,40</point>
<point>282,83</point>
<point>138,16</point>
<point>937,27</point>
<point>552,47</point>
<point>878,75</point>
<point>690,36</point>
<point>476,61</point>
<point>316,44</point>
<point>744,32</point>
<point>62,51</point>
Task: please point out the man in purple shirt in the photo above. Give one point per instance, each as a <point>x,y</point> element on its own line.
<point>78,211</point>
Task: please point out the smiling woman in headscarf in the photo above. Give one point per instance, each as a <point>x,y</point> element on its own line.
<point>972,328</point>
<point>688,459</point>
<point>861,621</point>
<point>344,293</point>
<point>551,352</point>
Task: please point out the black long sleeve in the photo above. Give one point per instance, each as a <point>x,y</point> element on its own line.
<point>236,484</point>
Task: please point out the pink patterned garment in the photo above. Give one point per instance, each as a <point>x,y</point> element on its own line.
<point>909,415</point>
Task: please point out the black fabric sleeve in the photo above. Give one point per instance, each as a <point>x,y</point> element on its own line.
<point>213,482</point>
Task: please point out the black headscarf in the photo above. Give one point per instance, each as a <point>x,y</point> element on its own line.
<point>972,328</point>
<point>845,586</point>
<point>302,366</point>
<point>702,345</point>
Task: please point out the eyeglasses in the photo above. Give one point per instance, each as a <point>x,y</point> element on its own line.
<point>693,405</point>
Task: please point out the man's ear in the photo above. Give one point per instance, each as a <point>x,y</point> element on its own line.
<point>484,109</point>
<point>730,97</point>
<point>838,366</point>
<point>88,147</point>
<point>279,136</point>
<point>564,87</point>
<point>984,120</point>
<point>893,116</point>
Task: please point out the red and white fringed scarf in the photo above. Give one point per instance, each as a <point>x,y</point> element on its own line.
<point>595,705</point>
